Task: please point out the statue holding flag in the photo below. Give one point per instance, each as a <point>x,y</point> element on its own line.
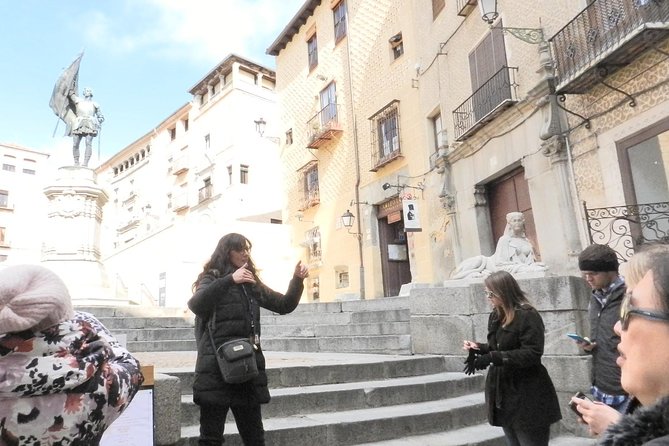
<point>82,116</point>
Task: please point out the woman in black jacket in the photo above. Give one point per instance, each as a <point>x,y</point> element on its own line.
<point>519,393</point>
<point>227,298</point>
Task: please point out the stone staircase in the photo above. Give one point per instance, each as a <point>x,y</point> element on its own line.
<point>376,326</point>
<point>340,373</point>
<point>357,399</point>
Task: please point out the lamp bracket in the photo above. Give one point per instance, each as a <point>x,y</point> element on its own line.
<point>533,36</point>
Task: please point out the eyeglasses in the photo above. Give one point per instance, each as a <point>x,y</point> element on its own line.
<point>626,310</point>
<point>587,274</point>
<point>489,294</point>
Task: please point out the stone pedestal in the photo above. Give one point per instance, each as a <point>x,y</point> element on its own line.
<point>71,240</point>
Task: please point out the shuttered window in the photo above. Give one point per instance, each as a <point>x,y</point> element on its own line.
<point>488,57</point>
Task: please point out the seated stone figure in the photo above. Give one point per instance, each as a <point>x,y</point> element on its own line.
<point>514,254</point>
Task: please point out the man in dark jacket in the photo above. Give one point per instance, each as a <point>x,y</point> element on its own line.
<point>599,267</point>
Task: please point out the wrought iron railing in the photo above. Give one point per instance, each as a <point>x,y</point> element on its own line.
<point>205,193</point>
<point>600,29</point>
<point>324,120</point>
<point>624,228</point>
<point>481,106</point>
<point>310,198</point>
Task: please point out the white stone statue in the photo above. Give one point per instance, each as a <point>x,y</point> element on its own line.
<point>514,254</point>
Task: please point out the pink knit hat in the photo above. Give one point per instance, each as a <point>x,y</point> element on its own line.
<point>32,297</point>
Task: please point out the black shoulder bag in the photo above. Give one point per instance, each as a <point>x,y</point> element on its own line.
<point>236,358</point>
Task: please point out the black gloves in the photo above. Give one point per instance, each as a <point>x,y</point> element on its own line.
<point>482,362</point>
<point>475,361</point>
<point>469,362</point>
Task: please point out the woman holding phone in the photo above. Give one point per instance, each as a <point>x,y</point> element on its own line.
<point>519,393</point>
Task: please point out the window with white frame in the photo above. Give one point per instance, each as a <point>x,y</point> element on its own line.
<point>207,142</point>
<point>230,175</point>
<point>4,199</point>
<point>341,277</point>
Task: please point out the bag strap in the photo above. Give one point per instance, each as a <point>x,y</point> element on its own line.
<point>210,324</point>
<point>254,338</point>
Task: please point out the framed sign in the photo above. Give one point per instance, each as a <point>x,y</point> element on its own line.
<point>397,252</point>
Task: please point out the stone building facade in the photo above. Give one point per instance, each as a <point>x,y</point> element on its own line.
<point>202,172</point>
<point>390,101</point>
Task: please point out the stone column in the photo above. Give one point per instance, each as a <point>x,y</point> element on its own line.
<point>71,239</point>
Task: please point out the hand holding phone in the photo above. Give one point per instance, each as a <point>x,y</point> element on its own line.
<point>579,338</point>
<point>573,406</point>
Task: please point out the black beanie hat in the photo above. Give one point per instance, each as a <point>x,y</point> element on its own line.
<point>598,258</point>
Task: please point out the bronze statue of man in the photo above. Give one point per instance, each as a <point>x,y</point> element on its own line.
<point>86,124</point>
<point>81,115</point>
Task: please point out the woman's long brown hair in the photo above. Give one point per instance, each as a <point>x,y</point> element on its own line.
<point>507,290</point>
<point>220,259</point>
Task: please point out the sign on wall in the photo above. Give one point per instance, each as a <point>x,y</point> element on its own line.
<point>411,216</point>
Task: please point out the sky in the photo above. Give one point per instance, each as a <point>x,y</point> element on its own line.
<point>140,59</point>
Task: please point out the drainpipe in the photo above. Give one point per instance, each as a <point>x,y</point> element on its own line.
<point>356,151</point>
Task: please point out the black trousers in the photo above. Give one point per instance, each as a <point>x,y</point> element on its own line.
<point>538,436</point>
<point>247,418</point>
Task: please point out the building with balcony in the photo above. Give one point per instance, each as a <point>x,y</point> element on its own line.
<point>345,82</point>
<point>471,117</point>
<point>612,73</point>
<point>24,174</point>
<point>202,172</point>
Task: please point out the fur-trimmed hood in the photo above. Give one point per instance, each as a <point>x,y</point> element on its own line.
<point>646,426</point>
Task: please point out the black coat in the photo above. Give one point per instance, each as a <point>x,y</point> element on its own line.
<point>519,392</point>
<point>605,371</point>
<point>646,426</point>
<point>234,304</point>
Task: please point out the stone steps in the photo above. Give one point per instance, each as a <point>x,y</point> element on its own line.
<point>359,399</point>
<point>353,427</point>
<point>377,326</point>
<point>291,401</point>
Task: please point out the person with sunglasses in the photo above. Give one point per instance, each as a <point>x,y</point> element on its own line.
<point>519,393</point>
<point>643,327</point>
<point>599,267</point>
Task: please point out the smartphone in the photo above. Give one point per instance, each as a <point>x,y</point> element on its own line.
<point>579,338</point>
<point>572,405</point>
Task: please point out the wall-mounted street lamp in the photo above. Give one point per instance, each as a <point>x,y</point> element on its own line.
<point>386,186</point>
<point>260,129</point>
<point>489,14</point>
<point>260,126</point>
<point>347,220</point>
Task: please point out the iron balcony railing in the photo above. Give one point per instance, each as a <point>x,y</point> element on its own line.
<point>205,193</point>
<point>310,198</point>
<point>624,228</point>
<point>605,36</point>
<point>323,126</point>
<point>487,102</point>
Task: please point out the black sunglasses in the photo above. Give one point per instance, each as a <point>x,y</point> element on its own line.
<point>626,310</point>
